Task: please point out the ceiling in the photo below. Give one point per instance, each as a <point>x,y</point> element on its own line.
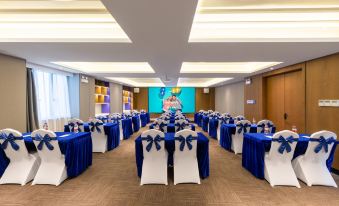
<point>158,34</point>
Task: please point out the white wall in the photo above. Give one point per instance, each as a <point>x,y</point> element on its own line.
<point>116,97</point>
<point>230,98</point>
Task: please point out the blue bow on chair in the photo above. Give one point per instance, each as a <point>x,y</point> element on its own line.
<point>161,126</point>
<point>188,141</point>
<point>44,141</point>
<point>150,141</point>
<point>224,120</point>
<point>72,126</point>
<point>285,143</point>
<point>11,139</point>
<point>323,142</point>
<point>181,126</point>
<point>262,126</point>
<point>242,127</point>
<point>95,126</point>
<point>115,120</point>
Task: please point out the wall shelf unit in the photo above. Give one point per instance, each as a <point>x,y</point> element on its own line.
<point>127,98</point>
<point>102,97</point>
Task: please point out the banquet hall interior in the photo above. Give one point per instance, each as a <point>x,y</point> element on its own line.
<point>169,102</point>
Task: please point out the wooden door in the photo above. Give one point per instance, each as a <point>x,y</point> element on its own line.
<point>295,100</point>
<point>275,100</point>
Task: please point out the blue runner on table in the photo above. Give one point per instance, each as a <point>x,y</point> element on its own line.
<point>205,120</point>
<point>148,118</point>
<point>77,148</point>
<point>212,127</point>
<point>110,129</point>
<point>143,119</point>
<point>256,144</point>
<point>136,123</point>
<point>196,118</point>
<point>226,131</point>
<point>202,153</point>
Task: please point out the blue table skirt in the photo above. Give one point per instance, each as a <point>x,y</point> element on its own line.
<point>171,127</point>
<point>76,147</point>
<point>136,123</point>
<point>143,119</point>
<point>148,118</point>
<point>212,128</point>
<point>256,144</point>
<point>110,129</point>
<point>202,153</point>
<point>127,128</point>
<point>196,118</point>
<point>226,131</point>
<point>199,120</point>
<point>205,120</point>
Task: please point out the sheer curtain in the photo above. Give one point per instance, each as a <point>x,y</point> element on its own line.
<point>52,99</point>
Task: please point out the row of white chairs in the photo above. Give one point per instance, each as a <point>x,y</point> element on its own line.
<point>47,166</point>
<point>185,163</point>
<point>311,167</point>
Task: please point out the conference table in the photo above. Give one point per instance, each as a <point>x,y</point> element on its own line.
<point>136,123</point>
<point>198,119</point>
<point>226,132</point>
<point>77,148</point>
<point>204,124</point>
<point>110,129</point>
<point>145,119</point>
<point>213,127</point>
<point>256,144</point>
<point>171,127</point>
<point>202,153</point>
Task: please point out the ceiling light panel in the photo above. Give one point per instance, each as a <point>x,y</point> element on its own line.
<point>265,21</point>
<point>108,67</point>
<point>200,82</point>
<point>225,67</point>
<point>138,82</point>
<point>58,21</point>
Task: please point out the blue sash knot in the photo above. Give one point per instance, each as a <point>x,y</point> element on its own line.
<point>188,141</point>
<point>95,126</point>
<point>285,143</point>
<point>181,126</point>
<point>242,127</point>
<point>156,140</point>
<point>45,140</point>
<point>11,139</point>
<point>323,143</point>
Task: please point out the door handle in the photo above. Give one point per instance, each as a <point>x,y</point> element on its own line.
<point>285,115</point>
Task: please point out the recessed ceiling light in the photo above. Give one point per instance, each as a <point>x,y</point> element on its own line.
<point>138,82</point>
<point>58,21</point>
<point>108,67</point>
<point>256,21</point>
<point>225,67</point>
<point>200,82</point>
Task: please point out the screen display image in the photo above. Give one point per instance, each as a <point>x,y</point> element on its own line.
<point>161,99</point>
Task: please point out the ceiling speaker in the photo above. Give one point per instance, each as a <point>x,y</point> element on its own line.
<point>206,90</point>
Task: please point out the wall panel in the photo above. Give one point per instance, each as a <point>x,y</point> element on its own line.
<point>13,93</point>
<point>230,98</point>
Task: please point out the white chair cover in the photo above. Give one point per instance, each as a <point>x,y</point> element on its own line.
<point>262,124</point>
<point>99,138</point>
<point>116,117</point>
<point>53,169</point>
<point>180,123</point>
<point>311,167</point>
<point>242,126</point>
<point>185,160</point>
<point>79,122</point>
<point>154,167</point>
<point>23,166</point>
<point>278,167</point>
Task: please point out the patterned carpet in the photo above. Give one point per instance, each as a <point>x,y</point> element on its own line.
<point>113,180</point>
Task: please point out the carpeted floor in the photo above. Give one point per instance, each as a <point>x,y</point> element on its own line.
<point>113,180</point>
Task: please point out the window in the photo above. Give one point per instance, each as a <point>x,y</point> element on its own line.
<point>52,95</point>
